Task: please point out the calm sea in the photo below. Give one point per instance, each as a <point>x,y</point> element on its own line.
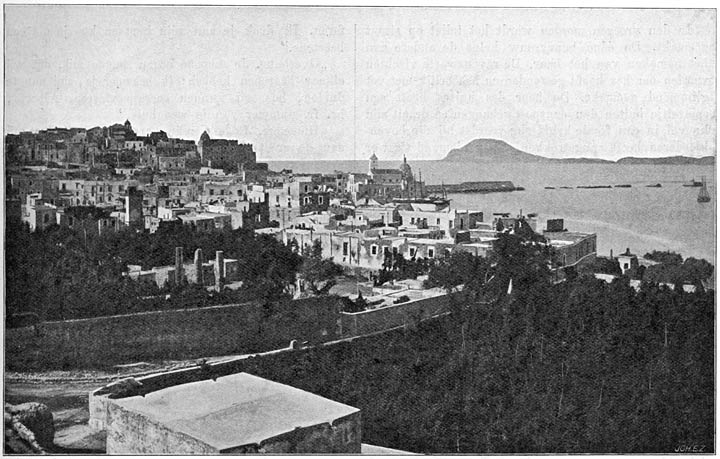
<point>638,218</point>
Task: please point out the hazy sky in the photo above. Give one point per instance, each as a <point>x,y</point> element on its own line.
<point>343,83</point>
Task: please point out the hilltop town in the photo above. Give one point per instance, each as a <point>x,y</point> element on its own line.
<point>109,178</point>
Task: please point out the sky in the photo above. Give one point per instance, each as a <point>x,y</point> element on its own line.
<point>345,83</point>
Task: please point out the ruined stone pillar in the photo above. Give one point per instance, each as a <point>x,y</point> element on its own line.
<point>178,265</point>
<point>199,267</point>
<point>219,270</point>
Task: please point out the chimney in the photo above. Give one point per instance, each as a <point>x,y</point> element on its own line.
<point>611,254</point>
<point>219,270</point>
<point>178,265</point>
<point>199,267</point>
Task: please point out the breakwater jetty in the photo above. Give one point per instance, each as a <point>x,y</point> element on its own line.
<point>475,187</point>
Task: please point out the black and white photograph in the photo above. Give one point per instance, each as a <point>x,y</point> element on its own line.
<point>359,229</point>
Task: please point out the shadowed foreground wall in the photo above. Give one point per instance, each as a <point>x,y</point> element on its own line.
<point>202,332</point>
<point>177,334</point>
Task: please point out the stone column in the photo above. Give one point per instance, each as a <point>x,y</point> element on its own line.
<point>178,265</point>
<point>199,278</point>
<point>219,270</point>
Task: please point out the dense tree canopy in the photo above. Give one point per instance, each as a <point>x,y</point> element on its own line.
<point>691,271</point>
<point>571,367</point>
<point>61,274</point>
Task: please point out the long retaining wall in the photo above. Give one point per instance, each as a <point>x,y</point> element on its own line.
<point>201,332</point>
<point>169,335</point>
<point>404,314</point>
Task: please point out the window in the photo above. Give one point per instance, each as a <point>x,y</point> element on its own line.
<point>46,219</point>
<point>431,252</point>
<point>373,250</point>
<point>412,220</point>
<point>63,187</point>
<point>277,198</point>
<point>307,200</point>
<point>438,221</point>
<point>320,199</point>
<point>345,248</point>
<point>412,252</point>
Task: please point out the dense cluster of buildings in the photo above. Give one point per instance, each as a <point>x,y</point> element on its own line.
<point>106,179</point>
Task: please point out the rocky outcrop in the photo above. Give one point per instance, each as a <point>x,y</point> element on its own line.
<point>126,387</point>
<point>29,428</point>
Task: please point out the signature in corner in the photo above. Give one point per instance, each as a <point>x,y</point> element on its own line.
<point>690,448</point>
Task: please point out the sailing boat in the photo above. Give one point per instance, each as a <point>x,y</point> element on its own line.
<point>704,196</point>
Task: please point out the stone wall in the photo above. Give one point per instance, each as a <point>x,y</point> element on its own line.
<point>199,332</point>
<point>340,437</point>
<point>133,433</point>
<point>405,314</point>
<point>177,334</point>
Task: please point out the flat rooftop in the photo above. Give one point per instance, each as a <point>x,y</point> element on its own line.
<point>572,236</point>
<point>235,410</point>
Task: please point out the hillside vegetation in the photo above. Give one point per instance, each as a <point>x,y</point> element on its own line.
<point>577,367</point>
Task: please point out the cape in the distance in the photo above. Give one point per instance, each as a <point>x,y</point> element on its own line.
<point>498,151</point>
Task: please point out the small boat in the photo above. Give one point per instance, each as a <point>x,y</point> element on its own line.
<point>549,187</point>
<point>566,187</point>
<point>657,185</point>
<point>593,187</point>
<point>703,196</point>
<point>623,186</point>
<point>693,183</point>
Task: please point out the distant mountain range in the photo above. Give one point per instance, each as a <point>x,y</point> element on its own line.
<point>498,151</point>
